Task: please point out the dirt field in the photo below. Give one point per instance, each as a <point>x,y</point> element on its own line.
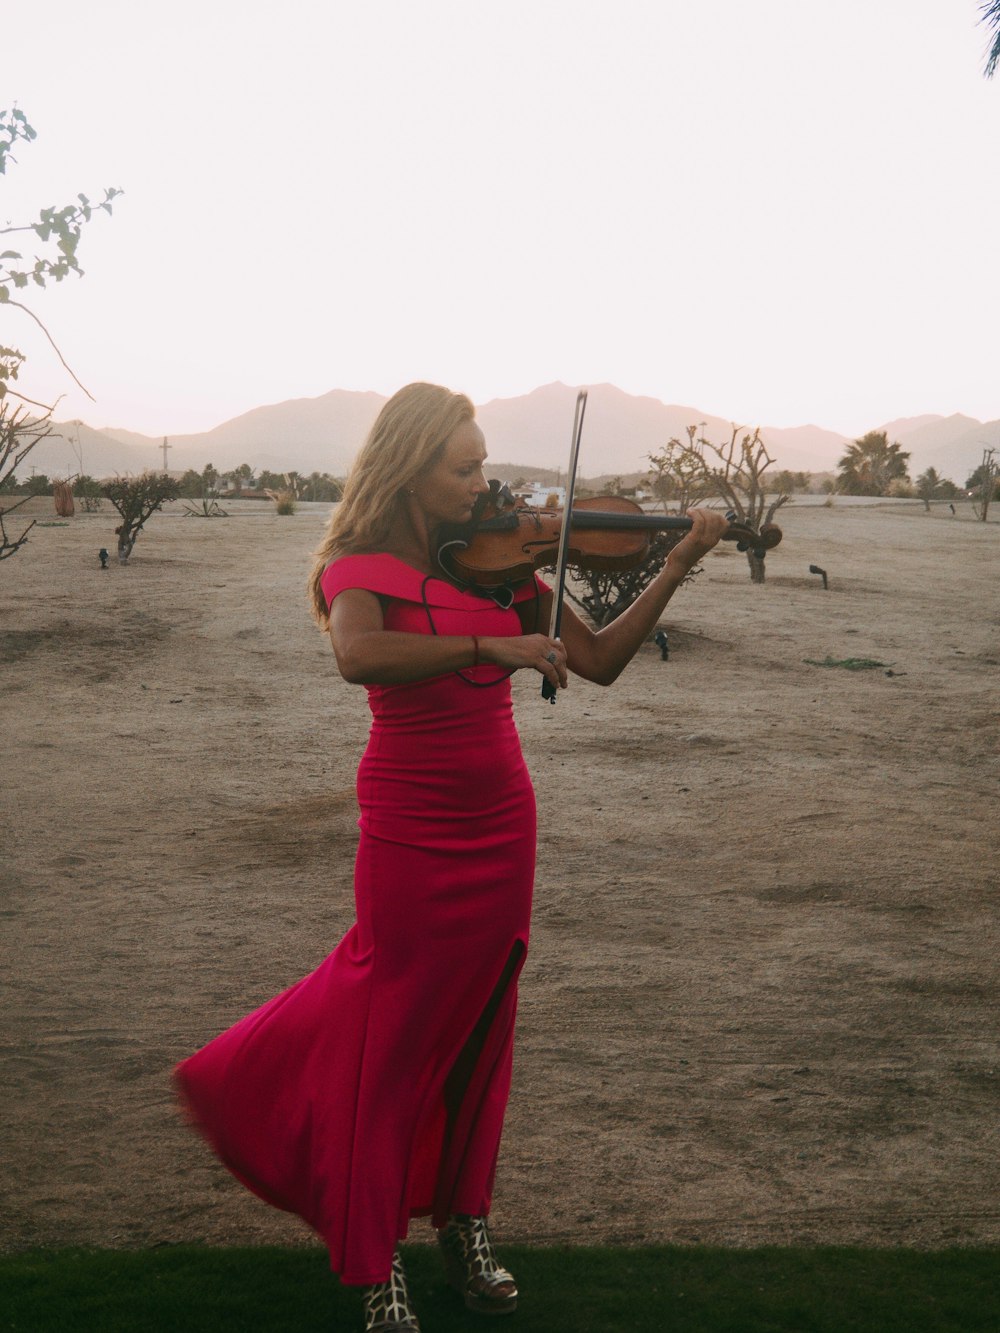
<point>761,1002</point>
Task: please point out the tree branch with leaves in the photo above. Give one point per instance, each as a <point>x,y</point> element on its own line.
<point>58,230</point>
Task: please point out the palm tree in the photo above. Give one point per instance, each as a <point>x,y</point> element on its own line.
<point>991,17</point>
<point>928,485</point>
<point>870,464</point>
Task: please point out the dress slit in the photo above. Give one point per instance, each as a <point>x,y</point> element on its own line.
<point>481,1070</point>
<point>458,1080</point>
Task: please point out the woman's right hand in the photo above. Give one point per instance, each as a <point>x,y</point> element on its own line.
<point>544,655</point>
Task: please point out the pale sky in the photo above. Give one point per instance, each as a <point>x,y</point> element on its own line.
<point>779,211</point>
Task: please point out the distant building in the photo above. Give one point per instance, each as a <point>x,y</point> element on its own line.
<point>537,495</point>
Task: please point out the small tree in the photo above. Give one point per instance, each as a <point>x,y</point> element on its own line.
<point>931,486</point>
<point>321,486</point>
<point>88,489</point>
<point>270,481</point>
<point>984,480</point>
<point>788,482</point>
<point>136,499</point>
<point>732,472</point>
<point>191,485</point>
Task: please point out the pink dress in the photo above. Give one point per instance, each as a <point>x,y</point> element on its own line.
<point>374,1090</point>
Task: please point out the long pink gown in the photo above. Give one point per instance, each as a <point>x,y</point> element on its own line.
<point>374,1090</point>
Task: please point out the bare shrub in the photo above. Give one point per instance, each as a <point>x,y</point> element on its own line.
<point>19,433</point>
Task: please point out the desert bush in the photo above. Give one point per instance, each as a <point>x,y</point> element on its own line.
<point>603,597</point>
<point>88,491</point>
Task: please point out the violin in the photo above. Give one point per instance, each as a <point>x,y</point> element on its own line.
<point>505,542</point>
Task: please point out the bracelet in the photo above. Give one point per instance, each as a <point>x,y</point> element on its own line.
<point>475,650</point>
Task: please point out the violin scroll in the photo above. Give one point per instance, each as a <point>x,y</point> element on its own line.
<point>759,543</point>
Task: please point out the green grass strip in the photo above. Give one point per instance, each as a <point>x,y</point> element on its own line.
<point>848,663</point>
<point>573,1289</point>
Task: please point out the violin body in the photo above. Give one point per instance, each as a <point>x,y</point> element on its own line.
<point>505,543</point>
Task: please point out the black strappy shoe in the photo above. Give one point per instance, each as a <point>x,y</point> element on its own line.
<point>472,1269</point>
<point>387,1304</point>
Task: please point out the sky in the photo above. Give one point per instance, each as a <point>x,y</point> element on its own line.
<point>780,212</point>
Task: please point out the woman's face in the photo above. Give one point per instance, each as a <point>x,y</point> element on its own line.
<point>447,490</point>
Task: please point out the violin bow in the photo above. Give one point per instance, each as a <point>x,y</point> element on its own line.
<point>562,554</point>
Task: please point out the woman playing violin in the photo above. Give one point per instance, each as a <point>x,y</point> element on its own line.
<point>374,1090</point>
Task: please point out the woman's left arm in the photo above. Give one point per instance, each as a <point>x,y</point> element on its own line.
<point>602,655</point>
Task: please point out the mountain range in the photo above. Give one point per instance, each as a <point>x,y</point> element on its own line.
<point>532,431</point>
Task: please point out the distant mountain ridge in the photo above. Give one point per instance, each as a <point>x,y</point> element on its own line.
<point>620,431</point>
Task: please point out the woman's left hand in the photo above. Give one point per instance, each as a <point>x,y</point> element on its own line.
<point>601,655</point>
<point>708,526</point>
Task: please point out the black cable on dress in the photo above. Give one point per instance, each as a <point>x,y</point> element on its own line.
<point>509,594</point>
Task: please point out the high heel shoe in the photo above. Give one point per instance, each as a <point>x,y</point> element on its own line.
<point>387,1304</point>
<point>472,1269</point>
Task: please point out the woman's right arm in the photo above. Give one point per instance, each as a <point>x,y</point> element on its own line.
<point>369,654</point>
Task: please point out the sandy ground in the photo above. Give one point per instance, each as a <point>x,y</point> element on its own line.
<point>761,1002</point>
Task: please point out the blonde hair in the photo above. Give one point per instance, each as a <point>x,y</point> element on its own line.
<point>408,436</point>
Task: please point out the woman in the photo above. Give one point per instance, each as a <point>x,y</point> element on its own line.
<point>374,1090</point>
